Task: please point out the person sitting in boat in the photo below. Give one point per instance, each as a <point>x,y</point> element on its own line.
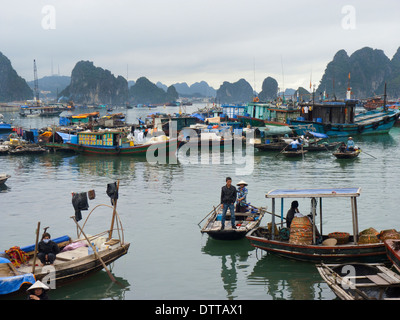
<point>294,144</point>
<point>350,144</point>
<point>38,291</point>
<point>342,147</point>
<point>47,250</point>
<point>242,191</point>
<point>228,198</point>
<point>294,208</point>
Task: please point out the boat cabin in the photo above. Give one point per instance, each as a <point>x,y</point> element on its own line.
<point>270,112</point>
<point>314,195</point>
<point>102,139</point>
<point>329,112</point>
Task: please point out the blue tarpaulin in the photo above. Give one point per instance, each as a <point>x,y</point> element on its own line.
<point>13,283</point>
<point>318,135</point>
<point>66,137</point>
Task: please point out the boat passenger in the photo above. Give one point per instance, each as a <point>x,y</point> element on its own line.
<point>38,291</point>
<point>294,208</point>
<point>342,147</point>
<point>228,198</point>
<point>350,144</point>
<point>294,144</point>
<point>241,202</point>
<point>47,249</point>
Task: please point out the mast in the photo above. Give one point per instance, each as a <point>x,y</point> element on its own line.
<point>36,83</point>
<point>384,99</point>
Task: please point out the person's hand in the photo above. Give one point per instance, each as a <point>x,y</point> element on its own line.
<point>33,297</point>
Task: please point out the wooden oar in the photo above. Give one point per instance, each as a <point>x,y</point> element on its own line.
<point>266,211</point>
<point>368,154</point>
<point>96,254</point>
<point>214,210</point>
<point>282,150</point>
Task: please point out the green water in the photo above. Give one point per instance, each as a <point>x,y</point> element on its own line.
<point>161,206</point>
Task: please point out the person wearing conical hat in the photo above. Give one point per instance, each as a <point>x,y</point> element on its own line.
<point>38,291</point>
<point>241,202</point>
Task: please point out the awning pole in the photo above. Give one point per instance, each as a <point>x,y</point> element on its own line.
<point>273,220</point>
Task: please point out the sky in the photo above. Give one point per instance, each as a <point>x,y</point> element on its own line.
<point>189,41</point>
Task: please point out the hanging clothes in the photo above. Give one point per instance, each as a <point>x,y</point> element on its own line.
<point>80,202</point>
<point>112,191</point>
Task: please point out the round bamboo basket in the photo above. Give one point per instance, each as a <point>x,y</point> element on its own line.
<point>341,237</point>
<point>301,231</point>
<point>389,234</point>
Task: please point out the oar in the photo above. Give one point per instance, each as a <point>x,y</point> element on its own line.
<point>368,154</point>
<point>214,210</point>
<point>96,254</point>
<point>282,150</point>
<point>265,211</point>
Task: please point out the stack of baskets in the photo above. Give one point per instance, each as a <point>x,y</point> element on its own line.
<point>301,231</point>
<point>369,235</point>
<point>389,234</point>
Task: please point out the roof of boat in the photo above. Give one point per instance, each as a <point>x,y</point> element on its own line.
<point>311,193</point>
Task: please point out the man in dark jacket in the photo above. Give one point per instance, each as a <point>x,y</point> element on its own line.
<point>228,198</point>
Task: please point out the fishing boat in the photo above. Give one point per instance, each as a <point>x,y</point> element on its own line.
<point>304,242</point>
<point>339,119</point>
<point>26,149</point>
<point>3,178</point>
<point>294,153</point>
<point>116,143</point>
<point>359,281</point>
<point>245,221</point>
<point>11,280</point>
<point>5,127</point>
<point>393,252</point>
<point>82,256</point>
<point>347,154</point>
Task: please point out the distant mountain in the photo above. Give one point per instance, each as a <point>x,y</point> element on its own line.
<point>197,89</point>
<point>146,92</point>
<point>269,90</point>
<point>94,85</point>
<point>54,84</point>
<point>12,86</point>
<point>235,93</point>
<point>366,71</point>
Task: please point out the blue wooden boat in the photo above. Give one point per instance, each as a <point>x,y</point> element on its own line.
<point>339,119</point>
<point>316,249</point>
<point>5,127</point>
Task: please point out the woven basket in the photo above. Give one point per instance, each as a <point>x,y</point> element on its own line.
<point>369,231</point>
<point>368,238</point>
<point>301,231</point>
<point>341,237</point>
<point>389,234</point>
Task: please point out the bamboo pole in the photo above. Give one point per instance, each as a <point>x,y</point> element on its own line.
<point>114,212</point>
<point>95,252</point>
<point>213,210</point>
<point>36,248</point>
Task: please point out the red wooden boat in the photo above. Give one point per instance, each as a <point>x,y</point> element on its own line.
<point>393,252</point>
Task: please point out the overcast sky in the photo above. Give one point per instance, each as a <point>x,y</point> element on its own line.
<point>192,40</point>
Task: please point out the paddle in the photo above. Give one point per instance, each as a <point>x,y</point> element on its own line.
<point>36,248</point>
<point>96,254</point>
<point>214,210</point>
<point>368,154</point>
<point>282,150</point>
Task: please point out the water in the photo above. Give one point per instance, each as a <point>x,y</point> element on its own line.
<point>161,206</point>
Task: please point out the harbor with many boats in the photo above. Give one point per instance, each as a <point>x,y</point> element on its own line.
<point>165,240</point>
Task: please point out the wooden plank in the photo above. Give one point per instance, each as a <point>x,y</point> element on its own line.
<point>378,280</point>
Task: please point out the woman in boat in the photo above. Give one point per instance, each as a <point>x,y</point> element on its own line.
<point>350,144</point>
<point>242,191</point>
<point>47,249</point>
<point>294,208</point>
<point>38,291</point>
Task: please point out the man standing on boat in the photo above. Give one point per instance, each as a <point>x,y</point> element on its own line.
<point>228,198</point>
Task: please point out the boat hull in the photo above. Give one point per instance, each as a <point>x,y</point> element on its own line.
<point>392,253</point>
<point>378,122</point>
<point>346,155</point>
<point>365,253</point>
<point>170,147</point>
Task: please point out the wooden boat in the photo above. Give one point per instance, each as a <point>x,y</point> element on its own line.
<point>308,248</point>
<point>3,178</point>
<point>339,119</point>
<point>26,149</point>
<point>245,221</point>
<point>11,280</point>
<point>115,143</point>
<point>358,281</point>
<point>393,252</point>
<point>347,154</point>
<point>80,257</point>
<point>294,153</point>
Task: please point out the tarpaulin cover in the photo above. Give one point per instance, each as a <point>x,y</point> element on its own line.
<point>318,135</point>
<point>65,136</point>
<point>14,283</point>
